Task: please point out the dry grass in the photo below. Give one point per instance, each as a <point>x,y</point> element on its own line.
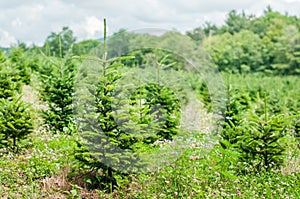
<point>195,118</point>
<point>58,182</point>
<point>30,95</point>
<point>60,187</point>
<point>291,166</point>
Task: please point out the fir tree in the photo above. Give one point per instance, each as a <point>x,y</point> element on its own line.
<point>114,128</point>
<point>15,115</point>
<point>57,78</point>
<point>15,121</point>
<point>104,144</point>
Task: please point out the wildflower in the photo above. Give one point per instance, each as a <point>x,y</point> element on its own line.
<point>238,192</point>
<point>191,157</point>
<point>218,174</point>
<point>176,193</point>
<point>197,158</point>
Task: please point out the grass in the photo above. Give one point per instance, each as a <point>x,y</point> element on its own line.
<point>42,167</point>
<point>41,155</point>
<point>40,170</point>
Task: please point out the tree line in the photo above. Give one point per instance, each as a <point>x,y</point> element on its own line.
<point>244,43</point>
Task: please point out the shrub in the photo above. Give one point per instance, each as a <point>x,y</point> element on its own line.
<point>260,140</point>
<point>159,105</point>
<point>18,62</point>
<point>57,90</point>
<point>9,82</point>
<point>262,144</point>
<point>15,121</point>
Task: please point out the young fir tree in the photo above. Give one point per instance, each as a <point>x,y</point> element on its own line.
<point>15,121</point>
<point>262,144</point>
<point>57,88</point>
<point>15,116</point>
<point>259,139</point>
<point>18,62</point>
<point>9,78</point>
<point>237,102</point>
<point>158,109</point>
<point>114,129</point>
<point>105,146</point>
<point>9,82</point>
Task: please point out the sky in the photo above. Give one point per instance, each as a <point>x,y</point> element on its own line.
<point>31,21</point>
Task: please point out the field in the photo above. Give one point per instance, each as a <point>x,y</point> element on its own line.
<point>143,116</point>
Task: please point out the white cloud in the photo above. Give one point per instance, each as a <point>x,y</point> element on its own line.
<point>16,23</point>
<point>90,28</point>
<point>6,39</point>
<point>292,1</point>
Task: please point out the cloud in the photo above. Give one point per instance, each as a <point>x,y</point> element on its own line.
<point>292,1</point>
<point>6,39</point>
<point>16,23</point>
<point>31,21</point>
<point>91,28</point>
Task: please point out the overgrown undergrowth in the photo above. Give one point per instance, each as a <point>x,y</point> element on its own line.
<point>41,170</point>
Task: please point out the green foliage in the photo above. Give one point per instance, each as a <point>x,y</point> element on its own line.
<point>196,34</point>
<point>158,106</point>
<point>236,22</point>
<point>258,44</point>
<point>173,46</point>
<point>297,132</point>
<point>15,121</point>
<point>119,43</point>
<point>259,144</point>
<point>2,57</point>
<point>148,57</point>
<point>200,174</point>
<point>177,43</point>
<point>33,61</point>
<point>57,78</point>
<point>294,53</point>
<point>104,102</point>
<point>58,44</point>
<point>102,139</point>
<point>15,116</point>
<point>41,157</point>
<point>202,170</point>
<point>259,136</point>
<point>87,47</point>
<point>9,82</point>
<point>141,41</point>
<point>18,63</point>
<point>262,142</point>
<point>111,141</point>
<point>241,52</point>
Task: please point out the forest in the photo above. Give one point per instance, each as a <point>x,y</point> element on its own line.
<point>210,113</point>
